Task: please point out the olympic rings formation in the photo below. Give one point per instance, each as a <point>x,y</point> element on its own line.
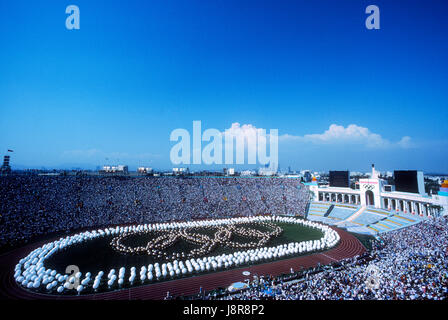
<point>223,235</point>
<point>32,273</point>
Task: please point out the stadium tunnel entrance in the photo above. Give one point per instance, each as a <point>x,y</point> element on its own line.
<point>370,201</point>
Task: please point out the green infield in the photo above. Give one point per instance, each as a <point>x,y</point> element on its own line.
<point>98,254</point>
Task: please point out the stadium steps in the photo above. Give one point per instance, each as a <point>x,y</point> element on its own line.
<point>353,216</point>
<point>380,227</point>
<point>406,218</point>
<point>342,212</point>
<point>329,210</point>
<point>314,212</point>
<point>374,229</point>
<point>379,212</point>
<point>318,208</point>
<point>347,206</point>
<point>391,223</point>
<point>395,222</point>
<point>307,210</point>
<point>362,230</point>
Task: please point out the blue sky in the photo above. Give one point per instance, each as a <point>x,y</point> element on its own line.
<point>136,70</point>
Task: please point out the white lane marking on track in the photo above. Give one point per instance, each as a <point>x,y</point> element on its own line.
<point>329,257</point>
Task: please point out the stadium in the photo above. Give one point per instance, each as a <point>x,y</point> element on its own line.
<point>209,152</point>
<point>189,237</point>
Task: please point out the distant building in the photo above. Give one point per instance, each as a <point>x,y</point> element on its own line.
<point>231,172</point>
<point>115,169</point>
<point>268,170</point>
<point>5,168</point>
<point>307,176</point>
<point>144,170</point>
<point>180,171</point>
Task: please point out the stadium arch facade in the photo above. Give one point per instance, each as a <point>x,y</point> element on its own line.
<point>372,192</point>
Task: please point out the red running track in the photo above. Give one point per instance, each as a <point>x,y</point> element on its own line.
<point>348,247</point>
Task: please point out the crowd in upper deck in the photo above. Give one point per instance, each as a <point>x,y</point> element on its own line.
<point>32,206</point>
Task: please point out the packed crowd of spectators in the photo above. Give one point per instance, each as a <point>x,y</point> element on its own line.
<point>32,206</point>
<point>407,264</point>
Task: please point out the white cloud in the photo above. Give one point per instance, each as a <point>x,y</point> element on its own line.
<point>250,133</point>
<point>245,131</point>
<point>254,140</point>
<point>406,142</point>
<point>352,134</point>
